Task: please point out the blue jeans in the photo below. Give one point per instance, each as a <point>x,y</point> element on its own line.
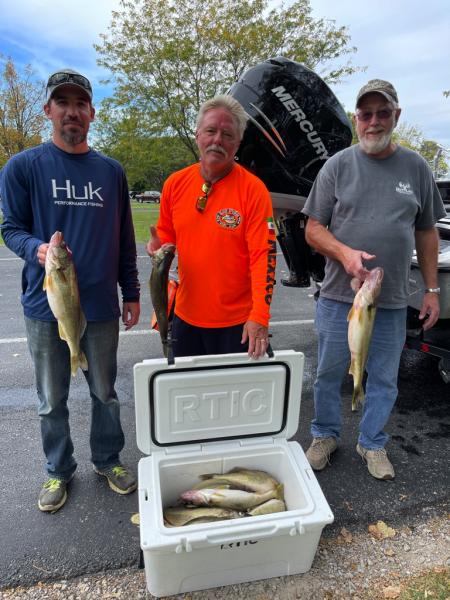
<point>386,346</point>
<point>51,360</point>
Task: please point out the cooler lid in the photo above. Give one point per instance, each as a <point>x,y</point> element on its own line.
<point>202,399</point>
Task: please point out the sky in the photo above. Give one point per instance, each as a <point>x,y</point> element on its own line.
<point>406,42</point>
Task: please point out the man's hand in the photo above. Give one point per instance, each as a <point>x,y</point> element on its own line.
<point>154,243</point>
<point>430,307</point>
<point>353,263</point>
<point>42,253</point>
<point>130,314</point>
<point>319,237</point>
<point>258,338</point>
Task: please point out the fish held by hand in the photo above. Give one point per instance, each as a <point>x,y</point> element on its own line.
<point>161,261</point>
<point>361,318</point>
<point>63,296</point>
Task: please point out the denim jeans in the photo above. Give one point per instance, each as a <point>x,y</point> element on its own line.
<point>51,360</point>
<point>385,349</point>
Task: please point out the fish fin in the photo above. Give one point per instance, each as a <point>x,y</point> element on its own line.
<point>48,283</point>
<point>357,397</point>
<point>350,313</point>
<point>83,361</point>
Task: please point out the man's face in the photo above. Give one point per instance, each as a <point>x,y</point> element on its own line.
<point>71,114</point>
<point>217,139</point>
<point>375,120</point>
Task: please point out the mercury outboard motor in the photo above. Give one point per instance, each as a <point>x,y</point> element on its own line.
<point>295,124</point>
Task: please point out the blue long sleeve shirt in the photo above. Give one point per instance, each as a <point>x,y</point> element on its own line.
<point>85,196</point>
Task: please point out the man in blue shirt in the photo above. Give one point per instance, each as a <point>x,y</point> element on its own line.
<point>64,185</point>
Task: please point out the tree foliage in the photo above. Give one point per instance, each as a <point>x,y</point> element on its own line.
<point>169,56</point>
<point>22,120</point>
<point>147,159</point>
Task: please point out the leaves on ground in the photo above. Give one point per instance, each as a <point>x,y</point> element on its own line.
<point>392,591</point>
<point>381,531</point>
<point>135,519</point>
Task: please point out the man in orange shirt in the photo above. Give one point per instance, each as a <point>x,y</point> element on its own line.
<point>219,216</point>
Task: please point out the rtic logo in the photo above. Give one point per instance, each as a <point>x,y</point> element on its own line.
<point>404,188</point>
<point>69,192</point>
<point>234,545</point>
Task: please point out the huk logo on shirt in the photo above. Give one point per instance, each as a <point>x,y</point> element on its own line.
<point>228,218</point>
<point>404,188</point>
<point>84,195</point>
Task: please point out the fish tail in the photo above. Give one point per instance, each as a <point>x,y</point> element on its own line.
<point>74,364</point>
<point>78,360</point>
<point>83,361</point>
<point>279,492</point>
<point>357,397</point>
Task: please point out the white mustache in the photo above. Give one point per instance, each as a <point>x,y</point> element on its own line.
<point>216,148</point>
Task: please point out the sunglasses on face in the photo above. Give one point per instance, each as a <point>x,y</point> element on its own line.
<point>366,115</point>
<point>59,78</point>
<point>202,200</point>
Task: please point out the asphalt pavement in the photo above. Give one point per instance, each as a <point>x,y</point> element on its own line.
<point>94,532</point>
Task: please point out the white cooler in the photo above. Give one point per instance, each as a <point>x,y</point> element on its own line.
<point>209,414</point>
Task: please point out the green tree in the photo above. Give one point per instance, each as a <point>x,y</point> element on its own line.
<point>167,56</point>
<point>148,159</point>
<point>22,120</point>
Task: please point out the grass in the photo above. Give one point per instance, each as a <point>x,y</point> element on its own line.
<point>434,585</point>
<point>143,216</point>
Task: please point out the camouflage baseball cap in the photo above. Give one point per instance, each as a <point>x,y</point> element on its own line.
<point>379,86</point>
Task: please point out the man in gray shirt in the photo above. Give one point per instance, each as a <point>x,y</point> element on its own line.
<point>369,206</point>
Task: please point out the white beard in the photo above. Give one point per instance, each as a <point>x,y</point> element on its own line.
<point>375,146</point>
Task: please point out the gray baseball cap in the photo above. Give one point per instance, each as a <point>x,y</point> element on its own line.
<point>67,77</point>
<point>379,86</point>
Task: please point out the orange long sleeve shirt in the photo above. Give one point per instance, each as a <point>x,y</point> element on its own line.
<point>227,254</point>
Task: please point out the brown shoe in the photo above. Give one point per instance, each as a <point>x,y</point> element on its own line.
<point>377,461</point>
<point>318,454</point>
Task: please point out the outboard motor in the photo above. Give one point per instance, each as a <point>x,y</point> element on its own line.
<point>295,124</point>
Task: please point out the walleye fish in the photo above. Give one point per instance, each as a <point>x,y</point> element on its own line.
<point>360,325</point>
<point>61,285</point>
<point>271,506</point>
<point>177,516</point>
<point>234,499</point>
<point>249,480</point>
<point>161,261</point>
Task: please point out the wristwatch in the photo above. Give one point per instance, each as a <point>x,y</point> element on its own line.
<point>433,290</point>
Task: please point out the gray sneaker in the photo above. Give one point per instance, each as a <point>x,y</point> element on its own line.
<point>318,454</point>
<point>120,480</point>
<point>52,495</point>
<point>377,461</point>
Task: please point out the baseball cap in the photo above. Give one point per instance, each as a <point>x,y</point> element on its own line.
<point>64,77</point>
<point>379,86</point>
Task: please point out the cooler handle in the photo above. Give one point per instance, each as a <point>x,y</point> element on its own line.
<point>244,534</point>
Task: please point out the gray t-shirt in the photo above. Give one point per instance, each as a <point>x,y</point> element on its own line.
<point>375,205</point>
